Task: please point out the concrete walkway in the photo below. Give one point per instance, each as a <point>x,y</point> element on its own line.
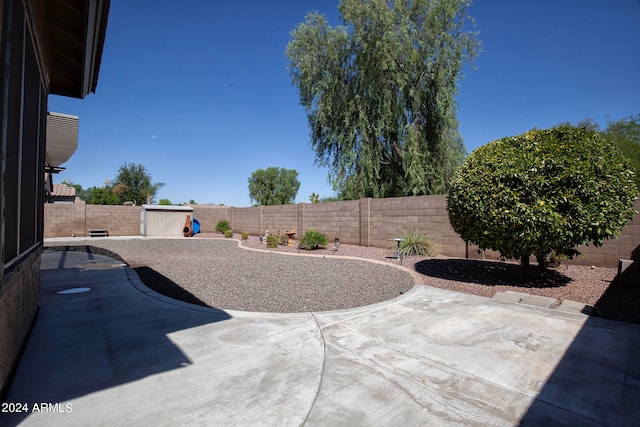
<point>120,354</point>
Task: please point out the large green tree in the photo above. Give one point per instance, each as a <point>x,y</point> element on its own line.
<point>380,91</point>
<point>274,186</point>
<point>542,191</point>
<point>133,183</point>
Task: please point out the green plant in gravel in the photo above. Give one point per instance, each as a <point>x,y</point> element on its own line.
<point>417,242</point>
<point>228,233</point>
<point>283,239</point>
<point>244,235</point>
<point>222,226</point>
<point>272,241</point>
<point>542,192</point>
<point>313,240</point>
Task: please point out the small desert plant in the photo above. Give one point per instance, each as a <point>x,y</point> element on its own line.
<point>417,242</point>
<point>228,233</point>
<point>222,226</point>
<point>313,239</point>
<point>272,241</point>
<point>551,260</point>
<point>244,235</point>
<point>283,239</point>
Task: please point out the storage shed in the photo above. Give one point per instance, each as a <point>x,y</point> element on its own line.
<point>160,220</point>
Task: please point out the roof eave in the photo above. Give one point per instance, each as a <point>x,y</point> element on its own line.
<point>77,30</point>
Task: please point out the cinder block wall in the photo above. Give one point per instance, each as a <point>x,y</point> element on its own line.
<point>66,220</point>
<point>390,217</point>
<point>366,222</point>
<point>117,220</point>
<point>62,220</point>
<point>208,216</point>
<point>334,219</point>
<point>247,220</point>
<point>280,218</point>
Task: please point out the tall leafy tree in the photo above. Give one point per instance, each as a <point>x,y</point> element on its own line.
<point>380,92</point>
<point>133,183</point>
<point>274,186</point>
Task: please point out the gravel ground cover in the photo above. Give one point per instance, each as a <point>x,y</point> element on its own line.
<point>210,270</point>
<point>217,273</point>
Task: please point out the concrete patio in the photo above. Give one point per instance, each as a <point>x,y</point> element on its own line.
<point>118,353</point>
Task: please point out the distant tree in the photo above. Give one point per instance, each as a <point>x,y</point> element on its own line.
<point>165,202</point>
<point>380,93</point>
<point>101,196</point>
<point>274,186</point>
<point>314,198</point>
<point>625,134</point>
<point>541,192</point>
<point>133,183</point>
<point>192,202</point>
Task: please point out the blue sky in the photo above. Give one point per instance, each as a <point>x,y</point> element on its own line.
<point>198,91</point>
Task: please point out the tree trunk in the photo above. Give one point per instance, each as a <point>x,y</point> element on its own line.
<point>524,267</point>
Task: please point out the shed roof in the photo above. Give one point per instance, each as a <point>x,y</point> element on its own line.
<point>166,208</point>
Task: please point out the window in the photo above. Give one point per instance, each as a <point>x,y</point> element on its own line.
<point>24,172</point>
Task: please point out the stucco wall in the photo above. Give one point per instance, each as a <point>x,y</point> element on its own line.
<point>366,222</point>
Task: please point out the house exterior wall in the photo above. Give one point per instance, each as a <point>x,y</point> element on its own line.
<point>18,306</point>
<point>366,222</point>
<point>31,66</point>
<point>23,106</point>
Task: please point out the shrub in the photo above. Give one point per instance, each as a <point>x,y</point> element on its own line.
<point>552,260</point>
<point>244,235</point>
<point>228,233</point>
<point>541,192</point>
<point>313,240</point>
<point>417,243</point>
<point>222,226</point>
<point>272,241</point>
<point>283,239</point>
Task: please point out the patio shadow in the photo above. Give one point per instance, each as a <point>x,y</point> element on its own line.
<point>596,381</point>
<point>106,337</point>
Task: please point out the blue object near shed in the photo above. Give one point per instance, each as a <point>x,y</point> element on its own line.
<point>196,226</point>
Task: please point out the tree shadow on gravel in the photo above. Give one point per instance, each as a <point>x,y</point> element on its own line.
<point>165,286</point>
<point>490,273</point>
